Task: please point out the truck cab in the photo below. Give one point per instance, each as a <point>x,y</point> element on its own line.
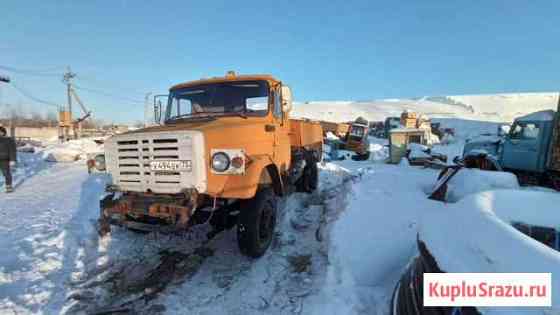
<point>223,151</point>
<point>526,146</point>
<point>357,139</point>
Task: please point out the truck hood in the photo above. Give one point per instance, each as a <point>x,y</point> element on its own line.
<point>224,132</point>
<point>224,123</point>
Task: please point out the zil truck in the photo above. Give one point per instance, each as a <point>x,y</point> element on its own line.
<point>224,152</point>
<point>531,149</point>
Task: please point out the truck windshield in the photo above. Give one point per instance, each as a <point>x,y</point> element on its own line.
<point>243,98</point>
<point>357,131</point>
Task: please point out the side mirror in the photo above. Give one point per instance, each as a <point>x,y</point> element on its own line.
<point>503,130</point>
<point>158,107</point>
<point>157,112</point>
<point>286,99</point>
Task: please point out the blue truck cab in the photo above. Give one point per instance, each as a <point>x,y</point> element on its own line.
<point>527,146</point>
<point>532,147</point>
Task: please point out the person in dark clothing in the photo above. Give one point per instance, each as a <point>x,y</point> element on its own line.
<point>7,157</point>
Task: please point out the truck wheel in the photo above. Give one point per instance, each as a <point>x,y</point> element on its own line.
<point>257,219</point>
<point>309,179</point>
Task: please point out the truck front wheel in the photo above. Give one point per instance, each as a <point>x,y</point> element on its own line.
<point>257,220</point>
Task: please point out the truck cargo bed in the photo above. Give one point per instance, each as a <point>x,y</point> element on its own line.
<point>305,133</point>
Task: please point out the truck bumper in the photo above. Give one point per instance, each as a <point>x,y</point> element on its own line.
<point>146,212</point>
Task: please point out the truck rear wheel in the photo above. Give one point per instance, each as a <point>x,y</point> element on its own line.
<point>257,220</point>
<point>309,179</point>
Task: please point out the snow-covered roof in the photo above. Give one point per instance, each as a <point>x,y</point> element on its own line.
<point>544,115</point>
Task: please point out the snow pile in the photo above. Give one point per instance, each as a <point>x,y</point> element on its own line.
<point>469,181</point>
<point>331,136</point>
<point>418,151</point>
<point>378,152</point>
<point>72,150</point>
<point>472,236</point>
<point>527,206</point>
<point>374,238</point>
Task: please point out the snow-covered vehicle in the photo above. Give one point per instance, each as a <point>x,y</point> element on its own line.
<point>502,231</point>
<point>531,149</point>
<point>224,153</point>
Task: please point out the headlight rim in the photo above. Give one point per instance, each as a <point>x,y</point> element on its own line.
<point>227,165</point>
<point>100,162</point>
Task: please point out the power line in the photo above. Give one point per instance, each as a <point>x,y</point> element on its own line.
<point>30,96</point>
<point>41,73</point>
<point>101,84</point>
<point>107,94</point>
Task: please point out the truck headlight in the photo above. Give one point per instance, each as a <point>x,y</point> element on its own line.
<point>220,162</point>
<point>100,162</point>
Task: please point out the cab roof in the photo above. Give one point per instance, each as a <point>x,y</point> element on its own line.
<point>229,77</point>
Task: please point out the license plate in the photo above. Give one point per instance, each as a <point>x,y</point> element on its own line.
<point>171,166</point>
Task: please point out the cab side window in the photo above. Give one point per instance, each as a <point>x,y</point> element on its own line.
<point>524,131</point>
<point>277,105</point>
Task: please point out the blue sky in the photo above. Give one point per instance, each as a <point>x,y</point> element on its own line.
<point>326,50</point>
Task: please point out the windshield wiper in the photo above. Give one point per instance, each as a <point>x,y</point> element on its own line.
<point>240,114</point>
<point>190,116</point>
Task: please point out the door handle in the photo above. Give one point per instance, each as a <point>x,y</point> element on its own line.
<point>269,128</point>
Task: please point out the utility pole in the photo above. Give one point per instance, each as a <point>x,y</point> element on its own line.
<point>66,121</point>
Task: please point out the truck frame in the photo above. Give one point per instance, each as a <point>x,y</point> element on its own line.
<point>225,151</point>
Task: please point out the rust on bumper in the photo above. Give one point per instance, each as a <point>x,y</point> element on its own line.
<point>136,209</point>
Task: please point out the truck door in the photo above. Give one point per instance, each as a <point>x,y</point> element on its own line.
<point>282,150</point>
<point>521,147</point>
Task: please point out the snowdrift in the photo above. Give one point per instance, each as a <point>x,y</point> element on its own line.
<point>71,151</point>
<point>475,235</point>
<point>470,181</point>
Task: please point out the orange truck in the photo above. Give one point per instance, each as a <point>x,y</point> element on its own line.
<point>224,151</point>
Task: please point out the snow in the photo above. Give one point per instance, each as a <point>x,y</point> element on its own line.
<point>340,250</point>
<point>418,151</point>
<point>484,242</point>
<point>469,181</point>
<point>72,150</point>
<point>527,206</point>
<point>331,136</point>
<point>487,108</point>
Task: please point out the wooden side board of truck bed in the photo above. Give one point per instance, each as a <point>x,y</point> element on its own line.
<point>306,133</point>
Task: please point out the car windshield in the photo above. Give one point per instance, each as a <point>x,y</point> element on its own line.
<point>241,98</point>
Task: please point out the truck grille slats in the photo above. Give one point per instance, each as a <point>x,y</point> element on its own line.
<point>130,160</point>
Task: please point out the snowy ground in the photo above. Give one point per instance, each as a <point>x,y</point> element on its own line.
<point>338,251</point>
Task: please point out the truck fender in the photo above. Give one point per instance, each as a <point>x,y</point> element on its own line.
<point>276,180</point>
<point>261,170</point>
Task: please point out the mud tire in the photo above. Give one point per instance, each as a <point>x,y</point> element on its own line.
<point>257,221</point>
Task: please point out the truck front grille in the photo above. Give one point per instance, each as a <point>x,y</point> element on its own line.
<point>129,161</point>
